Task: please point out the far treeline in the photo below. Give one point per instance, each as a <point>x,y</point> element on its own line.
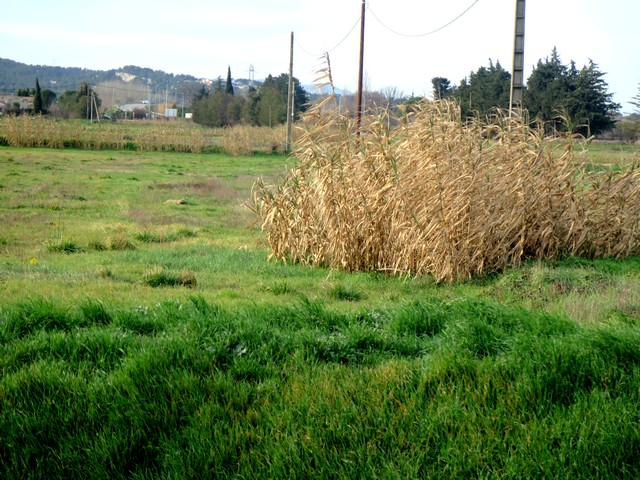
<point>263,106</point>
<point>563,96</point>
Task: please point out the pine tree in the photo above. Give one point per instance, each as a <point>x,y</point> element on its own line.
<point>441,88</point>
<point>555,90</point>
<point>485,90</point>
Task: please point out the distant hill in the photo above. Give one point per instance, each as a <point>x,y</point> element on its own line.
<point>128,84</point>
<point>15,75</point>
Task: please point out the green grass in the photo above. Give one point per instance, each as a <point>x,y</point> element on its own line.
<point>465,388</point>
<point>169,346</point>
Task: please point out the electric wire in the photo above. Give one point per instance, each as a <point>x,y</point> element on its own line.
<point>336,46</point>
<point>426,33</point>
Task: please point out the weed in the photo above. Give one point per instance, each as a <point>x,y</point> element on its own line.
<point>342,292</point>
<point>187,279</point>
<point>64,246</point>
<point>95,312</point>
<point>151,237</point>
<point>120,242</point>
<point>105,272</point>
<point>279,288</point>
<point>163,237</point>
<point>159,277</point>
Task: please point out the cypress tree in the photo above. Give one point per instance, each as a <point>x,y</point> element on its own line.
<point>229,85</point>
<point>37,99</point>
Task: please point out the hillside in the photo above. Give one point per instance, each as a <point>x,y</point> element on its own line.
<point>15,75</point>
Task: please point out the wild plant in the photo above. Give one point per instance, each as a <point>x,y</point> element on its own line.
<point>429,192</point>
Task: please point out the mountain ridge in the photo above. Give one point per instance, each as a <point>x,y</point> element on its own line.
<point>15,75</point>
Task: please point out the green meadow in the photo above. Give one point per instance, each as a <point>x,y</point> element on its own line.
<point>145,333</point>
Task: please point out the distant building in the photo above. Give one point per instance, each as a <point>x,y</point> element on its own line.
<point>14,104</point>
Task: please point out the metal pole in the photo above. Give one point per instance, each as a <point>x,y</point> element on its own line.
<point>517,77</point>
<point>360,73</point>
<point>290,111</point>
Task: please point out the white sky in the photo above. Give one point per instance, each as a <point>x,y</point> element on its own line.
<point>202,38</point>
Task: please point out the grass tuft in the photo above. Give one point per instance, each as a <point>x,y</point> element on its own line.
<point>120,242</point>
<point>95,312</point>
<point>159,277</point>
<point>345,293</point>
<point>64,246</point>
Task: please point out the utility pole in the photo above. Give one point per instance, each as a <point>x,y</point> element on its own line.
<point>88,100</point>
<point>360,73</point>
<point>290,111</point>
<point>95,104</point>
<point>517,76</point>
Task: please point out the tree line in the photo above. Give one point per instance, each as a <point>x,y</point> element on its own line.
<point>264,105</point>
<point>562,96</point>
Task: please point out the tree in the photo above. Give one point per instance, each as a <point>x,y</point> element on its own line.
<point>485,90</point>
<point>77,103</point>
<point>636,100</point>
<point>229,85</point>
<point>279,87</point>
<point>272,106</point>
<point>441,88</point>
<point>391,95</point>
<point>555,90</point>
<point>590,107</point>
<point>25,92</point>
<point>48,99</point>
<point>547,88</point>
<point>266,106</point>
<point>37,99</point>
<point>218,109</point>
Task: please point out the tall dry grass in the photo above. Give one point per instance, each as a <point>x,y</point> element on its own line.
<point>39,131</point>
<point>442,196</point>
<point>245,140</point>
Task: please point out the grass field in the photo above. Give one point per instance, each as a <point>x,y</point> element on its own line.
<point>145,334</point>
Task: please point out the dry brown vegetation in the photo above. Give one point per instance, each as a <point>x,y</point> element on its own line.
<point>442,196</point>
<point>173,136</point>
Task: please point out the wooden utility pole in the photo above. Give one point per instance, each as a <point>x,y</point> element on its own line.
<point>360,73</point>
<point>290,97</point>
<point>517,76</point>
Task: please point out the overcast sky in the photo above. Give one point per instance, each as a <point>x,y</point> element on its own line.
<point>202,38</point>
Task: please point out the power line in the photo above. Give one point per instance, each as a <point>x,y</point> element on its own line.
<point>426,33</point>
<point>336,46</point>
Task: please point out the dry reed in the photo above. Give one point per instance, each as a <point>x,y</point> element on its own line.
<point>442,196</point>
<point>175,136</point>
<point>245,140</point>
<point>39,131</point>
